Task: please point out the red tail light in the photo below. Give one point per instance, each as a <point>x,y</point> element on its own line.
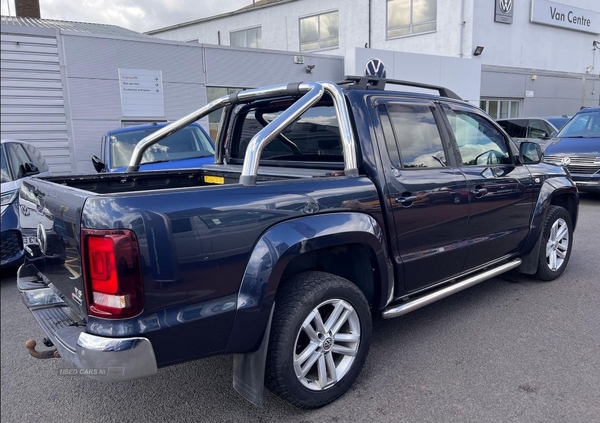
<point>112,273</point>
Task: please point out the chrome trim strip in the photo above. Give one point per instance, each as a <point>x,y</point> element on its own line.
<point>411,305</point>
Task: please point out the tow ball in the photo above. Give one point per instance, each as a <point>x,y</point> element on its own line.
<point>30,345</point>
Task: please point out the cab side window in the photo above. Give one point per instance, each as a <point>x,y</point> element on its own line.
<point>417,139</point>
<point>479,142</point>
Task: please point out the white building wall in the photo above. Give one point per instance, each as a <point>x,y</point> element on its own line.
<point>461,26</point>
<point>281,30</point>
<point>524,44</point>
<point>280,25</point>
<point>450,38</point>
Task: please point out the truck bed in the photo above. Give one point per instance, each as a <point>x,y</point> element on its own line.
<point>111,183</point>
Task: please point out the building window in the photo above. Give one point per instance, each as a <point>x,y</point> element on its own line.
<point>319,32</point>
<point>409,17</point>
<point>251,37</point>
<point>500,109</point>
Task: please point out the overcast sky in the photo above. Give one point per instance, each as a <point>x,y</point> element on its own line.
<point>138,15</point>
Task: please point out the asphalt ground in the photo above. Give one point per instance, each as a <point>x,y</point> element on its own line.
<point>511,349</point>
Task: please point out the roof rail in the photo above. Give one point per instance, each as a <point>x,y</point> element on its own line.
<point>372,82</point>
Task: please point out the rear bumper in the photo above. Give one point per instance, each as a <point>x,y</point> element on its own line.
<point>101,358</point>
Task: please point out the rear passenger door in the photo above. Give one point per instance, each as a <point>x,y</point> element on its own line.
<point>500,190</point>
<point>426,193</point>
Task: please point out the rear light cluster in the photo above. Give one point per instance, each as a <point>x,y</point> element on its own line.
<point>112,273</point>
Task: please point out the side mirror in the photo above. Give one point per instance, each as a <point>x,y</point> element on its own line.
<point>530,153</point>
<point>98,164</point>
<point>554,134</point>
<point>29,169</point>
<point>544,135</point>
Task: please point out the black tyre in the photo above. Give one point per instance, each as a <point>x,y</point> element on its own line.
<point>319,341</point>
<point>557,241</point>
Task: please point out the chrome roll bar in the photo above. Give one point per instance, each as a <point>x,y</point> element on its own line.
<point>312,93</point>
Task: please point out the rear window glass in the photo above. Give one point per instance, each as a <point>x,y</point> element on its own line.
<point>314,137</point>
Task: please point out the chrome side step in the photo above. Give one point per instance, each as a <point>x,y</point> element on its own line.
<point>411,305</point>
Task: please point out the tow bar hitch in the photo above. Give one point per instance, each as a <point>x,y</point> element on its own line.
<point>30,345</point>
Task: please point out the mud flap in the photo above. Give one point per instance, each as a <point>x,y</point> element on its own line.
<point>530,261</point>
<point>249,369</point>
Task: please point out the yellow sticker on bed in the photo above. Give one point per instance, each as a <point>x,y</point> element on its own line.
<point>214,179</point>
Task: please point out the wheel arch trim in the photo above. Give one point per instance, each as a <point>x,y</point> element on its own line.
<point>287,240</point>
<point>551,189</point>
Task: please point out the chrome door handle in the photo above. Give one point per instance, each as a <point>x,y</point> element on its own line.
<point>408,199</point>
<point>479,192</point>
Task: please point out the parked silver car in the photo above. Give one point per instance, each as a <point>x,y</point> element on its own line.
<point>534,129</point>
<point>18,160</point>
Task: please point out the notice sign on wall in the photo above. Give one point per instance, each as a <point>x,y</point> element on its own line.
<point>141,93</point>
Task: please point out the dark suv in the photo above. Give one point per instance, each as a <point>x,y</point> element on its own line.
<point>577,147</point>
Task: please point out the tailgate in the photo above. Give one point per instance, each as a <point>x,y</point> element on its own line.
<point>50,218</point>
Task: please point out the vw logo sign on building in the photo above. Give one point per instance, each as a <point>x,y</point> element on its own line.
<point>375,67</point>
<point>504,11</point>
<point>506,5</point>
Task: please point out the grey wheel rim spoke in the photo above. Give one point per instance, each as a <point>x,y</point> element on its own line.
<point>332,320</point>
<point>340,349</point>
<point>308,352</point>
<point>326,344</point>
<point>309,363</point>
<point>558,244</point>
<point>308,329</point>
<point>322,372</point>
<point>340,321</point>
<point>331,367</point>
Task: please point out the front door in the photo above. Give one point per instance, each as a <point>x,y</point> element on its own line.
<point>500,190</point>
<point>426,193</point>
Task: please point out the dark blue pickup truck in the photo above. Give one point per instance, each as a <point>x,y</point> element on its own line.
<point>326,203</point>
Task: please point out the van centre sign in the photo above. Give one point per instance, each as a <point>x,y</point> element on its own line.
<point>558,14</point>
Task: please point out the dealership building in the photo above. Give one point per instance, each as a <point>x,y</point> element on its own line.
<point>65,84</point>
<point>512,57</point>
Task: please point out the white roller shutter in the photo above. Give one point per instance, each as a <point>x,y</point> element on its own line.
<point>33,105</point>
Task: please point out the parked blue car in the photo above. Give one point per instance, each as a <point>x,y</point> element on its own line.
<point>188,148</point>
